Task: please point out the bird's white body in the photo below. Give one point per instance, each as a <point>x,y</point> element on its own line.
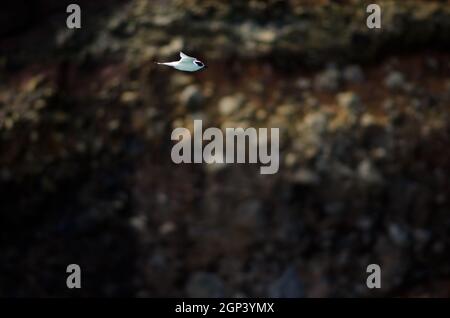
<point>186,64</point>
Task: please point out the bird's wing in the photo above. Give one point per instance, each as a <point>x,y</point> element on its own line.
<point>186,57</point>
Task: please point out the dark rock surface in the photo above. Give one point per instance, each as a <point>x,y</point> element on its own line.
<point>86,175</point>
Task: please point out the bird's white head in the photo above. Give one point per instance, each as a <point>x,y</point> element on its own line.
<point>199,65</point>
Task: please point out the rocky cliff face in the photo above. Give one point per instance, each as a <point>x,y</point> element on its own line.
<point>86,175</point>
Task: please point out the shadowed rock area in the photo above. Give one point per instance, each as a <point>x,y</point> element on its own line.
<point>86,175</point>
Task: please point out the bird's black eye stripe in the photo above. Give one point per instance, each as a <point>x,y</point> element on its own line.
<point>198,63</point>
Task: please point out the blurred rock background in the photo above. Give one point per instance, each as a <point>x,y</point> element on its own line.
<point>86,175</point>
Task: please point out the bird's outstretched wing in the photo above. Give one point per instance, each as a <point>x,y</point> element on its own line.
<point>185,57</point>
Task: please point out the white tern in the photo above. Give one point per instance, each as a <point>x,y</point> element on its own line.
<point>186,64</point>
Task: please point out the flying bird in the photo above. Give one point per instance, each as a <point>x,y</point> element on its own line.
<point>186,64</point>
